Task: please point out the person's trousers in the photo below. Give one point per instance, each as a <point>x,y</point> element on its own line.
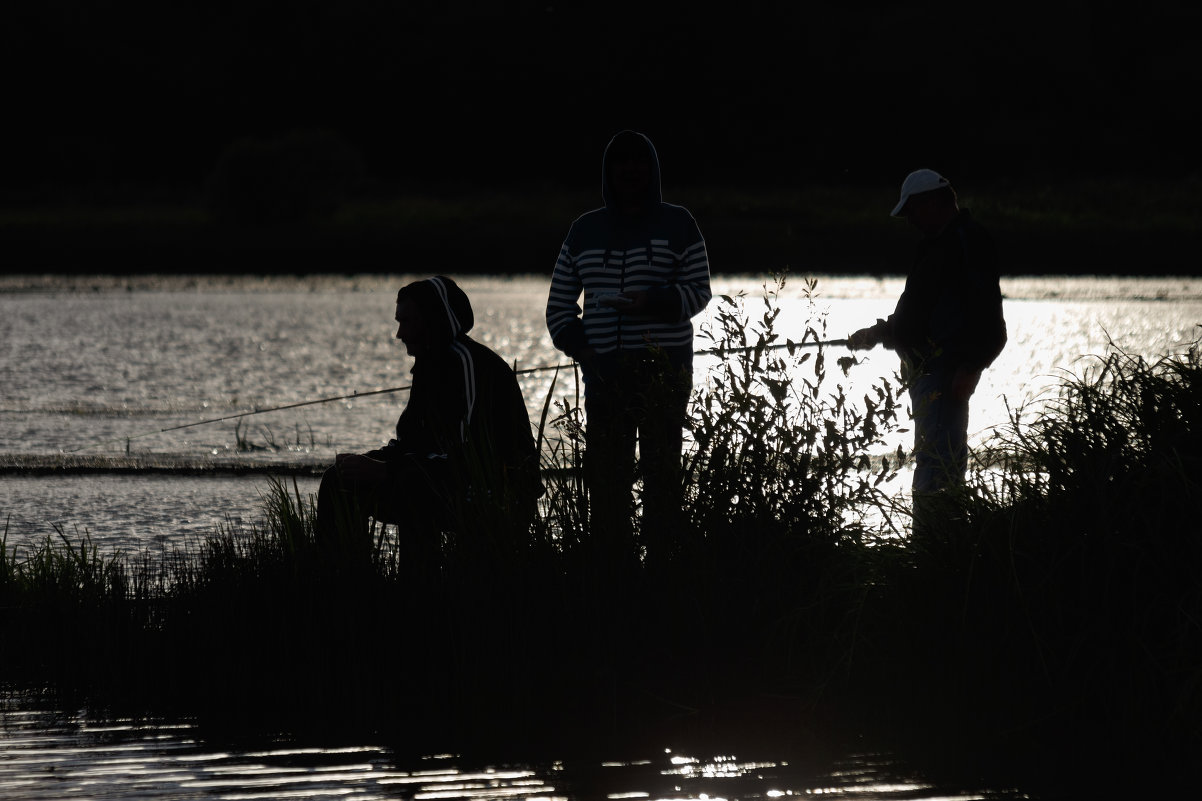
<point>409,499</point>
<point>940,433</point>
<point>645,406</point>
<point>940,442</point>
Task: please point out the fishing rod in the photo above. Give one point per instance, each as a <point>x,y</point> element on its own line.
<point>817,343</point>
<point>368,393</point>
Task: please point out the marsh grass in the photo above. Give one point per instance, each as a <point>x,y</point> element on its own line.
<point>1055,609</point>
<point>53,600</point>
<point>1058,608</point>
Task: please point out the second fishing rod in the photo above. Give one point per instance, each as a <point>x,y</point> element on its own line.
<point>368,393</point>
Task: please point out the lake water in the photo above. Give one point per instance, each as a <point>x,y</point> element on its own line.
<point>102,374</point>
<point>99,372</point>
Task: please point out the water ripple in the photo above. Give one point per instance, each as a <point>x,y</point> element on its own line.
<point>46,756</point>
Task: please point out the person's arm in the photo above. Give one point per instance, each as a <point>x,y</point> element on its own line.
<point>693,283</point>
<point>563,307</point>
<point>879,333</point>
<point>429,426</point>
<point>684,297</point>
<point>983,271</point>
<point>449,404</point>
<point>967,320</point>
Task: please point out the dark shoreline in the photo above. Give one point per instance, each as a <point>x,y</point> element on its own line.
<point>737,249</point>
<point>144,465</point>
<point>1117,226</point>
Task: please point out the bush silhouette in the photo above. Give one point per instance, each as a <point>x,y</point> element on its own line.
<point>298,177</point>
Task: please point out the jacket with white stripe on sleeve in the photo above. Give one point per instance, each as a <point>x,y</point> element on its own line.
<point>659,250</point>
<point>465,409</point>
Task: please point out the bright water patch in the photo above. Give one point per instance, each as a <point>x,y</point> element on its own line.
<point>132,513</point>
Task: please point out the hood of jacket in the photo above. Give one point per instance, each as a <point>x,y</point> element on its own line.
<point>625,144</point>
<point>443,305</point>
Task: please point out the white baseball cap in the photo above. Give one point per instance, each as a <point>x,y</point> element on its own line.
<point>916,183</point>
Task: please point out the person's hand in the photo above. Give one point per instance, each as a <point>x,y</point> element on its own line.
<point>359,468</point>
<point>639,299</point>
<point>588,359</point>
<point>634,301</point>
<point>615,300</point>
<point>863,339</point>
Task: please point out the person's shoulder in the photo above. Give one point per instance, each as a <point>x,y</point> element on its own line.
<point>676,217</point>
<point>674,210</point>
<point>978,245</point>
<point>967,222</point>
<point>590,217</point>
<point>587,224</point>
<point>483,355</point>
<point>977,233</point>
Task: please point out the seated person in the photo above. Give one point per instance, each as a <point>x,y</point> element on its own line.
<point>464,455</point>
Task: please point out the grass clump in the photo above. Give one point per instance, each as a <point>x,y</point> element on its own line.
<point>63,606</point>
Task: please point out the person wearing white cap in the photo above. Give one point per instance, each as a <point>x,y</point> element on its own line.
<point>947,328</point>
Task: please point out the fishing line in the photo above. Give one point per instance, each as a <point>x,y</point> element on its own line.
<point>357,394</point>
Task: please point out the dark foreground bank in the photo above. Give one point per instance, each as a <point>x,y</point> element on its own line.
<point>1046,635</point>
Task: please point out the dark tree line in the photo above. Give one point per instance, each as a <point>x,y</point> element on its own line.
<point>478,92</point>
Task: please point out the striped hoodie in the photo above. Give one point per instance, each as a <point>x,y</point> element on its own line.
<point>659,250</point>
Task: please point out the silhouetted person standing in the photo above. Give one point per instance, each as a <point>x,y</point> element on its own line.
<point>463,440</point>
<point>947,328</point>
<point>642,268</point>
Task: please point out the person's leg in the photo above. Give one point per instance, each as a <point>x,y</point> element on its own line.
<point>419,502</point>
<point>343,511</point>
<point>609,466</point>
<point>940,443</point>
<point>414,498</point>
<point>661,438</point>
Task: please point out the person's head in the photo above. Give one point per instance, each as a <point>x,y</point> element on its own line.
<point>927,201</point>
<point>412,328</point>
<point>630,173</point>
<point>431,313</point>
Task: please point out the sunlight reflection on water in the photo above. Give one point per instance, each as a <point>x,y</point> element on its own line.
<point>52,755</point>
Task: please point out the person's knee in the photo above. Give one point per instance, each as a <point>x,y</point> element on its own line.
<point>331,480</point>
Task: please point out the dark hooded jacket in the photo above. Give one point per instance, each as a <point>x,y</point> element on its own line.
<point>466,418</point>
<point>659,249</point>
<point>949,315</point>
